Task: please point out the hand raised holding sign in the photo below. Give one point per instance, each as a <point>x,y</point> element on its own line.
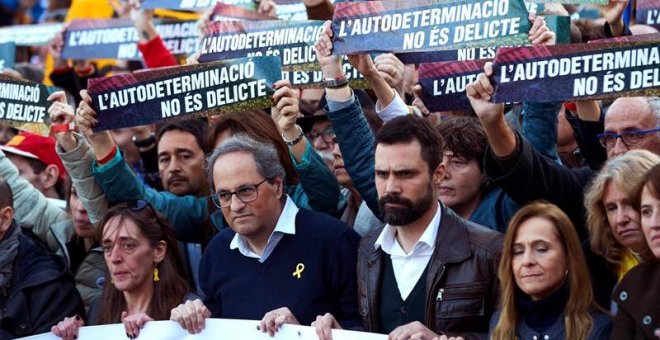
<point>614,16</point>
<point>285,112</point>
<point>101,142</point>
<point>540,34</point>
<point>480,93</point>
<point>502,139</point>
<point>392,70</point>
<point>62,115</point>
<point>267,7</point>
<point>330,64</point>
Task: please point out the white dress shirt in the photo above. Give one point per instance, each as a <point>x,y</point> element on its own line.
<point>286,224</point>
<point>408,268</point>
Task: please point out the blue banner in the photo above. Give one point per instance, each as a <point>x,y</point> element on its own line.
<point>184,92</point>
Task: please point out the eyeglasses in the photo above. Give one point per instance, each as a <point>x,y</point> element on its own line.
<point>629,138</point>
<point>327,135</point>
<point>245,194</point>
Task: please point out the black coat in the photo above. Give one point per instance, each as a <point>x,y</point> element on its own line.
<point>41,293</point>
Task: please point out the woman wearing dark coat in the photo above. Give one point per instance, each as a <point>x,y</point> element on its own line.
<point>638,294</point>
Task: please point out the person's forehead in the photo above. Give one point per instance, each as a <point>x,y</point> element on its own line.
<point>19,161</point>
<point>397,155</point>
<point>320,125</point>
<point>235,169</point>
<point>120,227</point>
<point>174,140</point>
<point>629,114</point>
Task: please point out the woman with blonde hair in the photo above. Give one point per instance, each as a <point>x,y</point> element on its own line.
<point>545,289</point>
<point>613,222</point>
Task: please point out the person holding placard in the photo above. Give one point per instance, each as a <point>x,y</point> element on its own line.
<point>276,262</point>
<point>143,281</point>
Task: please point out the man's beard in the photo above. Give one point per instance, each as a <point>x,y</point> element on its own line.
<point>410,212</point>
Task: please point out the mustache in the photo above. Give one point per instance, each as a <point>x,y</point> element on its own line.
<point>395,199</point>
<point>176,178</point>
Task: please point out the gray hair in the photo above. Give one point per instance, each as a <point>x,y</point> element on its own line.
<point>654,104</point>
<point>265,156</point>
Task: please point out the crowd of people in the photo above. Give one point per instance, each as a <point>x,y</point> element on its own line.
<point>338,208</point>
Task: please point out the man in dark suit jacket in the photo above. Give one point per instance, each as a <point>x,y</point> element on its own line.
<point>428,272</point>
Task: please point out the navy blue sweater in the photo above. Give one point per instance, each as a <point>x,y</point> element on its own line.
<point>239,287</point>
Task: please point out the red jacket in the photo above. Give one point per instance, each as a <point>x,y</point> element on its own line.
<point>155,54</point>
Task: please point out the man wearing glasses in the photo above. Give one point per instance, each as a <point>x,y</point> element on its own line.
<point>277,262</point>
<point>632,123</point>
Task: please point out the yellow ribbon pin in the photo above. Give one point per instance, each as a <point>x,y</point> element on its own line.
<point>299,269</point>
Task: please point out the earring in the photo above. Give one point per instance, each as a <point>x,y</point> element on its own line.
<point>566,274</point>
<point>156,278</point>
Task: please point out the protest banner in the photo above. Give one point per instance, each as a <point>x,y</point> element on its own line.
<point>443,84</point>
<point>7,55</point>
<point>23,105</point>
<point>427,25</point>
<point>195,4</point>
<point>29,35</point>
<point>214,329</point>
<point>292,41</point>
<point>648,12</point>
<point>117,39</point>
<point>561,25</point>
<point>184,92</point>
<point>578,71</point>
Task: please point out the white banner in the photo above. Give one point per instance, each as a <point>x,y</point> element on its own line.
<point>215,329</point>
<point>29,35</point>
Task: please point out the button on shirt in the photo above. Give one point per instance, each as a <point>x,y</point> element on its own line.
<point>408,268</point>
<point>286,224</point>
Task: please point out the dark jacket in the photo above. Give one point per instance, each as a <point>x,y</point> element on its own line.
<point>461,286</point>
<point>41,293</point>
<point>638,298</point>
<point>527,176</point>
<point>600,329</point>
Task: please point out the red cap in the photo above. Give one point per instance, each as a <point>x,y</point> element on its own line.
<point>36,147</point>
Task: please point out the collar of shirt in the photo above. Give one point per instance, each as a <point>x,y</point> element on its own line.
<point>286,224</point>
<point>424,246</point>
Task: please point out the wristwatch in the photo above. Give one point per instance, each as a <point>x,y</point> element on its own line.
<point>335,83</point>
<point>145,142</point>
<point>295,140</point>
